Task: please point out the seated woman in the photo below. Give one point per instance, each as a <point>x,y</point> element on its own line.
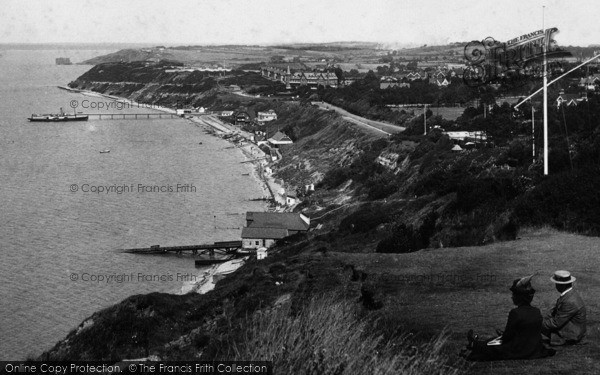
<point>521,338</point>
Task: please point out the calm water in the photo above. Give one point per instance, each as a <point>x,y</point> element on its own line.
<point>48,233</point>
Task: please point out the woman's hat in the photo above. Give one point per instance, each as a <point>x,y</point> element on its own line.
<point>523,285</point>
<point>562,277</point>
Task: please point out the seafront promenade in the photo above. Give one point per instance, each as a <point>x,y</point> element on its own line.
<point>250,150</point>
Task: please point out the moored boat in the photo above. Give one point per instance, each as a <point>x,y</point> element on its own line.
<point>60,117</point>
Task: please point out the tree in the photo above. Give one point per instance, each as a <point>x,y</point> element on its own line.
<point>339,73</point>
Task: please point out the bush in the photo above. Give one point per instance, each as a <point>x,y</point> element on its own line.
<point>366,218</point>
<point>567,200</point>
<point>492,192</point>
<point>334,178</point>
<point>381,185</point>
<point>403,240</point>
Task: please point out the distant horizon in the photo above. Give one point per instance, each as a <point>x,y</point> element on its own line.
<point>272,22</point>
<point>171,45</point>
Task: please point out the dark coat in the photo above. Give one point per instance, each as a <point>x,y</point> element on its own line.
<point>521,338</point>
<point>567,318</point>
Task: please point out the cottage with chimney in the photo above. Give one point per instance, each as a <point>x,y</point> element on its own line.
<point>263,229</point>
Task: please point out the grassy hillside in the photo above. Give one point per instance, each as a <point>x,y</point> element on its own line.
<point>463,288</point>
<point>413,309</point>
<point>374,220</point>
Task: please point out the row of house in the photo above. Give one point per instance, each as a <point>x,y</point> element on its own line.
<point>246,117</point>
<point>570,99</point>
<point>299,78</point>
<point>590,83</point>
<point>439,77</point>
<point>387,82</point>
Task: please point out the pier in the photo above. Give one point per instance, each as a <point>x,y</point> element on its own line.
<point>130,116</point>
<point>224,247</point>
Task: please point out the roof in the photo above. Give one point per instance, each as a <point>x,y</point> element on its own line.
<point>441,81</point>
<point>568,97</point>
<point>261,232</point>
<point>311,75</point>
<point>329,75</point>
<point>285,220</point>
<point>280,137</point>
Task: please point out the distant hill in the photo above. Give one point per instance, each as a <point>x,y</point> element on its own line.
<point>130,55</point>
<point>232,56</point>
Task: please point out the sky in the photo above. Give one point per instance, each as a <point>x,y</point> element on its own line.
<point>391,22</point>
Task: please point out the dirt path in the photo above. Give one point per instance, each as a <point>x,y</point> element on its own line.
<point>382,128</point>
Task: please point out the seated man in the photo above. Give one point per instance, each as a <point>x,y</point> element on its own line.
<point>566,322</point>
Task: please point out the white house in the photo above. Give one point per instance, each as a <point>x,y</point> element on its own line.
<point>280,139</point>
<point>388,160</point>
<point>291,199</point>
<point>183,111</point>
<point>255,237</point>
<point>261,253</point>
<point>462,135</point>
<point>270,115</point>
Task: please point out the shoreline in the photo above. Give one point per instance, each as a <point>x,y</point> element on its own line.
<point>251,152</point>
<point>207,279</point>
<point>118,99</point>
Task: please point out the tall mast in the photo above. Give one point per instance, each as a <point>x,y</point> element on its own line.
<point>544,45</point>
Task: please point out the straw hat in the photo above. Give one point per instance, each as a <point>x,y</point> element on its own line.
<point>562,277</point>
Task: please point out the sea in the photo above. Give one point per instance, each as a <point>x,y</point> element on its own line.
<point>66,209</point>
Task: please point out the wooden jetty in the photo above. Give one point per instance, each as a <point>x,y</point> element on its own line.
<point>223,247</point>
<point>130,116</point>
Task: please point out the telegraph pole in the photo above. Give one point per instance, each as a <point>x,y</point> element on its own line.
<point>425,119</point>
<point>544,48</point>
<point>532,132</point>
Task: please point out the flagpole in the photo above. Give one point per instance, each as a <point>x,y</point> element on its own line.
<point>544,45</point>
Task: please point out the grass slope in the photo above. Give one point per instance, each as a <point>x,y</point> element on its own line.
<point>467,287</point>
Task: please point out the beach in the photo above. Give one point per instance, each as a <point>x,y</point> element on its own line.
<point>250,150</point>
<point>206,279</point>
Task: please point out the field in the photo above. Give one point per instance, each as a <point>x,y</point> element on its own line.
<point>462,288</point>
